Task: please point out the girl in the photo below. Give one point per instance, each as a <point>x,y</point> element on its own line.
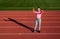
<point>38,13</point>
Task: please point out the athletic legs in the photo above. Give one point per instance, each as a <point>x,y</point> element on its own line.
<point>37,24</point>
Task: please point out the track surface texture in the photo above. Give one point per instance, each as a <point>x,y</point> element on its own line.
<point>19,25</point>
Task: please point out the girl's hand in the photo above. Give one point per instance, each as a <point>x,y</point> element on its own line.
<point>33,9</point>
<point>42,11</point>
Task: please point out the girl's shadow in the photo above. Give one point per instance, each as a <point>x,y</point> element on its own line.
<point>13,20</point>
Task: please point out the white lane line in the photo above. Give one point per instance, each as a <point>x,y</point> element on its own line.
<point>18,15</point>
<point>30,34</point>
<point>11,27</point>
<point>50,26</point>
<point>30,26</point>
<point>28,21</point>
<point>39,34</point>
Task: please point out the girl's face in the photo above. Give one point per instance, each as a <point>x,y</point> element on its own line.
<point>39,9</point>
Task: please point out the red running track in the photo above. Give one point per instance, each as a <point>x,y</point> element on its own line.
<point>18,25</point>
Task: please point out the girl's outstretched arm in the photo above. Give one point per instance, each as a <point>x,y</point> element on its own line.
<point>33,10</point>
<point>42,11</point>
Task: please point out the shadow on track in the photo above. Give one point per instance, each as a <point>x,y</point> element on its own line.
<point>13,20</point>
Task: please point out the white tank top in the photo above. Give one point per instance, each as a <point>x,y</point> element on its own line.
<point>38,13</point>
